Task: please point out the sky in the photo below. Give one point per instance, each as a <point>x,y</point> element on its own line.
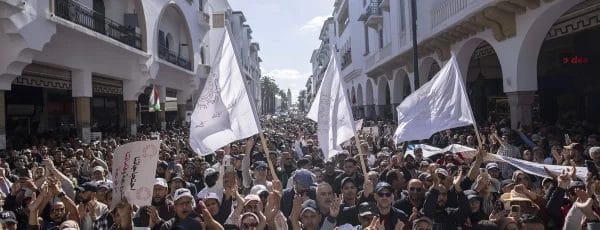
<point>287,32</point>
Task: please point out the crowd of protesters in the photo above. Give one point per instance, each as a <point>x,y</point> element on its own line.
<point>56,183</point>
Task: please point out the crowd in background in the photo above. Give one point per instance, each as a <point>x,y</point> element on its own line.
<point>61,183</point>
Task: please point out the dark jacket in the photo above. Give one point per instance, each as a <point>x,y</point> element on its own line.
<point>405,205</point>
<point>446,218</point>
<point>556,200</point>
<point>288,198</point>
<point>392,218</point>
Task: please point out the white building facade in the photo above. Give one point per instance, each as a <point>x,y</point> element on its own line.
<point>521,59</point>
<point>90,65</point>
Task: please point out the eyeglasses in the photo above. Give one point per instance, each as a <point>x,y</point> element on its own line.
<point>58,210</point>
<point>386,194</point>
<point>415,189</point>
<point>184,203</point>
<point>250,225</point>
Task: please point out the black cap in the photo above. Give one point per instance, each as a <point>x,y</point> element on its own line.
<point>383,185</point>
<point>89,186</point>
<point>367,208</point>
<point>348,180</point>
<point>260,164</point>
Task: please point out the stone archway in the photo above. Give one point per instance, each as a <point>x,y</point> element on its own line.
<point>567,65</point>
<point>172,22</point>
<point>369,100</point>
<point>484,81</point>
<point>384,98</point>
<point>428,68</point>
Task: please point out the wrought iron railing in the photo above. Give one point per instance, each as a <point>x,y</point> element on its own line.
<point>373,9</point>
<point>84,16</point>
<point>172,57</point>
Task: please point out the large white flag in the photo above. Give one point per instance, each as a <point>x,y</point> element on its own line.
<point>224,112</point>
<point>331,110</point>
<point>133,169</point>
<point>442,103</point>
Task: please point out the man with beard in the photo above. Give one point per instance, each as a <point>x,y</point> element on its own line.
<point>214,182</point>
<point>324,198</point>
<point>329,172</point>
<point>435,206</point>
<point>62,209</point>
<point>185,217</point>
<point>350,170</point>
<point>92,214</point>
<point>415,198</point>
<point>159,199</point>
<point>287,168</point>
<point>391,217</point>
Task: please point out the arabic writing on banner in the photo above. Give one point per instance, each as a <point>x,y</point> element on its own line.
<point>132,165</point>
<point>537,168</point>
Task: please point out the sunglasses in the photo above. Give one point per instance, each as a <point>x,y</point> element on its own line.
<point>415,189</point>
<point>385,194</point>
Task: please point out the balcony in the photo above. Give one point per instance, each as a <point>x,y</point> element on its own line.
<point>172,57</point>
<point>373,15</point>
<point>385,5</point>
<point>346,58</point>
<point>79,14</point>
<point>376,57</point>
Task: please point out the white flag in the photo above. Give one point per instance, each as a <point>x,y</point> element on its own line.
<point>440,104</point>
<point>331,110</point>
<point>538,169</point>
<point>224,112</point>
<point>133,169</point>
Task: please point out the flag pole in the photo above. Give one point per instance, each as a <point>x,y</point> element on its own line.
<point>477,134</point>
<point>360,154</point>
<point>267,154</point>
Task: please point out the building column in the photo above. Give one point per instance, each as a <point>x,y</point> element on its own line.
<point>82,92</point>
<point>2,120</point>
<point>131,117</point>
<point>181,114</point>
<point>370,112</point>
<point>394,111</point>
<point>162,114</point>
<point>520,107</point>
<point>83,118</point>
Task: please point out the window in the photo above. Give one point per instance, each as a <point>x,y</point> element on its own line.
<point>168,41</point>
<point>218,20</point>
<point>202,58</point>
<point>366,39</point>
<point>402,16</point>
<point>380,38</point>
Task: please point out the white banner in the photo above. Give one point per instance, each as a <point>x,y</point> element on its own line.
<point>441,103</point>
<point>224,112</point>
<point>133,170</point>
<point>538,169</point>
<point>332,111</point>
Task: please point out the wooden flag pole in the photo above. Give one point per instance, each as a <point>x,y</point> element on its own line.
<point>268,155</point>
<point>360,154</point>
<point>478,136</point>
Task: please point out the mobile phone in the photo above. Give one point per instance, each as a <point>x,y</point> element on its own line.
<point>591,166</point>
<point>144,217</point>
<point>567,139</point>
<point>515,209</point>
<point>499,206</point>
